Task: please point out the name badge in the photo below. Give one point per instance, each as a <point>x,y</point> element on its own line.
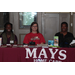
<point>11,41</point>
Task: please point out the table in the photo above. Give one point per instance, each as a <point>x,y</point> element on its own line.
<point>37,54</point>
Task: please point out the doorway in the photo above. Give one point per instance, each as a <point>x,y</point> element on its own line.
<point>51,24</point>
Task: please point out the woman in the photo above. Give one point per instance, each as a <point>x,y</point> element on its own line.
<point>34,37</point>
<point>8,37</point>
<point>65,37</point>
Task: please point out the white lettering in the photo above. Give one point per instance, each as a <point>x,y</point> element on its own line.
<point>30,53</point>
<point>44,53</point>
<point>53,53</point>
<point>61,54</point>
<point>40,60</point>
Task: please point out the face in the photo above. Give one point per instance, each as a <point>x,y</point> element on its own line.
<point>8,28</point>
<point>34,27</point>
<point>64,28</point>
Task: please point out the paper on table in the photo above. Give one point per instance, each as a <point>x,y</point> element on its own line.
<point>25,45</point>
<point>73,41</point>
<point>42,45</point>
<point>8,44</point>
<point>20,46</point>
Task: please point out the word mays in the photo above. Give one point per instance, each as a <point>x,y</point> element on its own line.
<point>61,56</point>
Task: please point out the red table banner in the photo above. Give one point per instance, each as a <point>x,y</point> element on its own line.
<point>38,54</point>
<point>48,55</point>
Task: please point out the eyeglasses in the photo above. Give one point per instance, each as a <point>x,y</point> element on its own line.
<point>34,26</point>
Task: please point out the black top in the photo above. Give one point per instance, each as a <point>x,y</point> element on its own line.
<point>64,41</point>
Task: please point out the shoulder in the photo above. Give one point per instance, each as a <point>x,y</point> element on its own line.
<point>69,33</point>
<point>2,34</point>
<point>39,34</point>
<point>15,36</point>
<point>57,34</point>
<point>27,35</point>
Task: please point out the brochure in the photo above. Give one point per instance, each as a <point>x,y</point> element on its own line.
<point>56,41</point>
<point>50,42</point>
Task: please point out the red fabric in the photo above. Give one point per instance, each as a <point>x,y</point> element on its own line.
<point>70,55</point>
<point>35,37</point>
<point>19,55</point>
<point>11,54</point>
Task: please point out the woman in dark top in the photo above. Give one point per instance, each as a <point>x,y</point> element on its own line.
<point>8,37</point>
<point>64,37</point>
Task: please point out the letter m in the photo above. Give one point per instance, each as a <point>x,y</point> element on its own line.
<point>28,51</point>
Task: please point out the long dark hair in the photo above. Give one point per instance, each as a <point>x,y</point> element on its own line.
<point>8,23</point>
<point>32,25</point>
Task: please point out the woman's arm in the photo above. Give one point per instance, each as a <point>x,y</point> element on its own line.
<point>42,39</point>
<point>16,40</point>
<point>25,41</point>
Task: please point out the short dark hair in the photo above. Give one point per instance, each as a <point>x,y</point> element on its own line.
<point>64,23</point>
<point>32,25</point>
